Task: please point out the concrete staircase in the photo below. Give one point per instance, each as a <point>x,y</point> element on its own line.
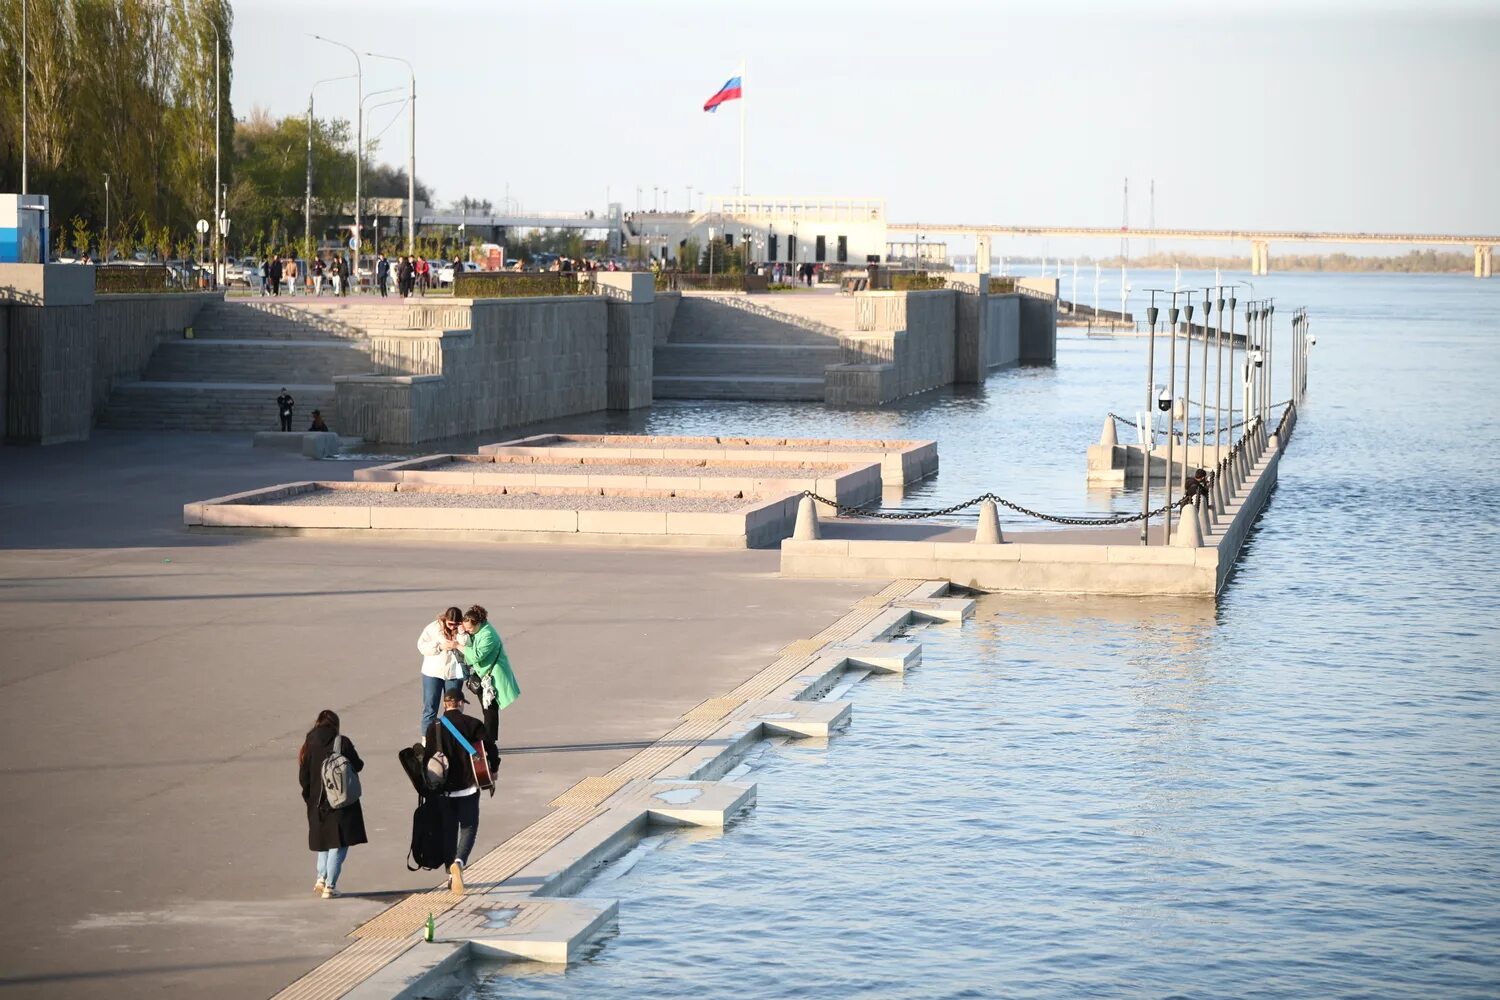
<point>746,347</point>
<point>242,353</point>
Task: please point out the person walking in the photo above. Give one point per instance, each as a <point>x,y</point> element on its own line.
<point>440,644</point>
<point>331,830</point>
<point>403,276</point>
<point>289,272</point>
<point>459,789</point>
<point>490,668</point>
<point>382,273</point>
<point>336,272</point>
<point>317,275</point>
<point>421,270</point>
<point>273,274</point>
<point>284,404</point>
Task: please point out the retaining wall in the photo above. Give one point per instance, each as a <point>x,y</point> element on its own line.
<point>64,349</point>
<point>522,360</point>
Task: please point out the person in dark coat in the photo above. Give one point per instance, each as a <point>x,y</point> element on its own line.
<point>330,832</point>
<point>382,274</point>
<point>460,792</point>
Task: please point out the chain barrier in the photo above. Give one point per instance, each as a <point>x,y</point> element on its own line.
<point>917,515</point>
<point>843,510</point>
<point>1192,436</point>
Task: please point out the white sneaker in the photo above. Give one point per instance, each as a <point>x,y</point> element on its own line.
<point>318,886</point>
<point>329,892</point>
<point>456,878</point>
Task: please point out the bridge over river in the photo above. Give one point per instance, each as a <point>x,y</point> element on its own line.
<point>1259,239</point>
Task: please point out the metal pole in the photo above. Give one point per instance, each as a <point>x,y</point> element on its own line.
<point>1229,372</point>
<point>1208,305</point>
<point>359,145</point>
<point>218,165</point>
<point>1219,381</point>
<point>105,241</point>
<point>25,44</point>
<point>1171,409</point>
<point>307,197</point>
<point>411,153</point>
<point>1187,392</point>
<point>1150,420</point>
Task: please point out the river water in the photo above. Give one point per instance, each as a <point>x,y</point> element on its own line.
<point>1292,793</point>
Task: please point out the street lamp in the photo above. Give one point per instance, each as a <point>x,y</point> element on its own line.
<point>106,218</point>
<point>1149,433</point>
<point>359,141</point>
<point>307,248</point>
<point>411,153</point>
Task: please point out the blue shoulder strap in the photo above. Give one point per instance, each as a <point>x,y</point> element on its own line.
<point>469,747</point>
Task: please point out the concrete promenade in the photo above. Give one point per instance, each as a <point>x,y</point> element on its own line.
<point>157,685</point>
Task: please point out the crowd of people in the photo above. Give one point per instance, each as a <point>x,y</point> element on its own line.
<point>461,655</point>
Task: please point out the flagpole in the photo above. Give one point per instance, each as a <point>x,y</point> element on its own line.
<point>742,128</point>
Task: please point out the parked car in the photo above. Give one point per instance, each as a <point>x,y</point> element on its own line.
<point>445,272</point>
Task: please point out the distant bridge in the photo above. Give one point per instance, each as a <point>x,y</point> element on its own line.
<point>1259,239</point>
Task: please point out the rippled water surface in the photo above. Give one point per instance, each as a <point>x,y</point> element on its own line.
<point>1292,794</point>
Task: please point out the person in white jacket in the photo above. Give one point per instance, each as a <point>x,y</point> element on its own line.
<point>442,664</point>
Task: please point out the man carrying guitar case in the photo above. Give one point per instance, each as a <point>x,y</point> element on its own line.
<point>456,767</point>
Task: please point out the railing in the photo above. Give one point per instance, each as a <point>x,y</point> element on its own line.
<point>675,281</point>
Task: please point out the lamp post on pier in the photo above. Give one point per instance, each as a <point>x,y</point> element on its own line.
<point>1149,438</point>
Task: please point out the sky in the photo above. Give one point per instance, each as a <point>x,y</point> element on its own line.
<point>1330,116</point>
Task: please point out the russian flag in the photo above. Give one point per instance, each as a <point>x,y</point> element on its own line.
<point>729,92</point>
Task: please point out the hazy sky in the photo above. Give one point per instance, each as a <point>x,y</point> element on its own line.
<point>1346,116</point>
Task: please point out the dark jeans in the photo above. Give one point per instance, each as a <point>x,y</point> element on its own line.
<point>286,422</point>
<point>492,735</point>
<point>461,821</point>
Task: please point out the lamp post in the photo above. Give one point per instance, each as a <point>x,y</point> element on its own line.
<point>1208,305</point>
<point>223,229</point>
<point>1218,377</point>
<point>307,247</point>
<point>105,241</point>
<point>1168,404</point>
<point>359,142</point>
<point>1150,433</point>
<point>411,152</point>
<point>1187,388</point>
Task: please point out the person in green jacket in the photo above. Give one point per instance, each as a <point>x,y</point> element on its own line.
<point>488,663</point>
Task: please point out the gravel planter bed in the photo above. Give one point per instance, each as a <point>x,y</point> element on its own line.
<point>515,500</point>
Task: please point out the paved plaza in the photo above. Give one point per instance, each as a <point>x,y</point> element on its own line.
<point>158,684</point>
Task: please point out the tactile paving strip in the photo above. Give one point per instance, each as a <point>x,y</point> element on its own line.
<point>589,792</point>
<point>384,938</point>
<point>347,969</point>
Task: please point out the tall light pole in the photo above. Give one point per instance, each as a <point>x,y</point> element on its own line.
<point>105,241</point>
<point>1149,429</point>
<point>359,143</point>
<point>24,47</point>
<point>307,248</point>
<point>411,153</point>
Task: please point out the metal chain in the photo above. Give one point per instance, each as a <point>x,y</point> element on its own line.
<point>915,515</point>
<point>1082,522</point>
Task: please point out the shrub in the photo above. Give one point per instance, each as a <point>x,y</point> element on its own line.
<point>919,282</point>
<point>1001,286</point>
<point>117,278</point>
<point>512,285</point>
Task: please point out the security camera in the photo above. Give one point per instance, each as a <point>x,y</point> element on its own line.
<point>1312,338</point>
<point>1164,401</point>
<point>1257,358</point>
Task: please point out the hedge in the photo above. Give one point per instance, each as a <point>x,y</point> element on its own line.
<point>130,278</point>
<point>919,282</point>
<point>516,285</point>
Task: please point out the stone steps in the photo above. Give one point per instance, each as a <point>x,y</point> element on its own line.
<point>256,360</point>
<point>207,406</point>
<point>777,360</point>
<point>737,387</point>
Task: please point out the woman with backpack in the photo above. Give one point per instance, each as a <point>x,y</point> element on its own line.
<point>328,767</point>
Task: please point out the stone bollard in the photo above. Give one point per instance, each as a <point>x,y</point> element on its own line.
<point>1107,437</point>
<point>1188,534</point>
<point>1273,443</point>
<point>989,525</point>
<point>1205,519</point>
<point>1221,489</point>
<point>807,520</point>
